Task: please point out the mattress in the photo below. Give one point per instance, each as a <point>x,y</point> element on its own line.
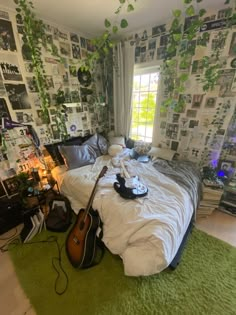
<point>146,232</point>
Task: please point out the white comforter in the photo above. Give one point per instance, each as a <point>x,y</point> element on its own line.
<point>145,232</point>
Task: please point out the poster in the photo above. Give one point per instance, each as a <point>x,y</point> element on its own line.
<point>7,40</point>
<point>18,96</point>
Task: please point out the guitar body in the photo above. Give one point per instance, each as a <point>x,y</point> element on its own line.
<point>81,241</point>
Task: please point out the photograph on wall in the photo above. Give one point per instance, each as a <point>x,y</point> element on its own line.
<point>11,185</point>
<point>197,67</point>
<point>225,81</point>
<point>18,96</point>
<point>32,84</point>
<point>164,39</point>
<point>29,67</point>
<point>55,132</point>
<point>217,142</point>
<point>4,15</point>
<point>191,113</point>
<point>210,102</point>
<point>197,100</point>
<point>193,123</point>
<point>232,48</point>
<point>76,51</point>
<point>63,35</point>
<point>83,42</point>
<point>158,30</point>
<point>224,13</point>
<point>7,40</point>
<point>65,49</point>
<point>24,117</point>
<point>4,109</point>
<point>172,131</point>
<point>174,145</point>
<point>74,37</point>
<point>10,67</point>
<point>161,52</point>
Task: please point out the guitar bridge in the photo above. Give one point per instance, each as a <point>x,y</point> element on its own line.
<point>75,239</point>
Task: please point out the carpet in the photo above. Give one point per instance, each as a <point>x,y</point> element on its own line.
<point>203,283</point>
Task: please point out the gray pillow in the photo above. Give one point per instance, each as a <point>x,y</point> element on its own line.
<point>98,143</point>
<point>77,155</point>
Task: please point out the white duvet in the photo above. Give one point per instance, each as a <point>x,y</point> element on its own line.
<point>145,232</point>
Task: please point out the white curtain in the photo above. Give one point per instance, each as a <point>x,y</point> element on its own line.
<point>122,87</point>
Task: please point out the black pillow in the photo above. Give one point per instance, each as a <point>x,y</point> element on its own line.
<point>52,148</point>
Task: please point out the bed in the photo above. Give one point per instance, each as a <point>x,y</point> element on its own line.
<point>147,233</point>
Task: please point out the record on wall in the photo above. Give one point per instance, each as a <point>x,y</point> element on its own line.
<point>84,77</point>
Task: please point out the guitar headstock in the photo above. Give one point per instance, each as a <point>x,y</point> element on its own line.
<point>103,172</point>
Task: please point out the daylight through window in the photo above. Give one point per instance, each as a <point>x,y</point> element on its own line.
<point>144,99</point>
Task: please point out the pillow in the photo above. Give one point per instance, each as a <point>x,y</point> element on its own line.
<point>52,148</point>
<point>117,140</point>
<point>142,147</point>
<point>98,143</point>
<point>77,155</point>
<point>114,149</point>
<point>129,143</point>
<point>161,153</point>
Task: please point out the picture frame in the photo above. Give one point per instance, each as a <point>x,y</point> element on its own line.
<point>2,191</point>
<point>11,185</point>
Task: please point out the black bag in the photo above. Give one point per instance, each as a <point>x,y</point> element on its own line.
<point>60,214</point>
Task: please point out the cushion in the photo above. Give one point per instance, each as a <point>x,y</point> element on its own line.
<point>161,153</point>
<point>114,149</point>
<point>52,148</point>
<point>142,147</point>
<point>117,140</point>
<point>98,143</point>
<point>77,155</point>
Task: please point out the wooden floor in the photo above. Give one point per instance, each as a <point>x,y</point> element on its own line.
<point>14,302</point>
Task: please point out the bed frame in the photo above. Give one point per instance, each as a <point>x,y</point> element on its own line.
<point>175,262</point>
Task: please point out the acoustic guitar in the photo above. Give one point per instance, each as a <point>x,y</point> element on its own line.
<point>81,241</point>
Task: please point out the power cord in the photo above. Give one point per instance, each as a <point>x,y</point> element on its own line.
<point>51,239</point>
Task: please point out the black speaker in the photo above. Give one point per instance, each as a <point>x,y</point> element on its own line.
<point>10,214</point>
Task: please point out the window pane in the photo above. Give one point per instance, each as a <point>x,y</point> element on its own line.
<point>143,106</point>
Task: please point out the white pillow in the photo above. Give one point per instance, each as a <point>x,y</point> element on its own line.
<point>114,149</point>
<point>161,153</point>
<point>117,140</point>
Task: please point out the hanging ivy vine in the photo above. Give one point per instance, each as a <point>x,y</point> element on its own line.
<point>34,38</point>
<point>103,44</point>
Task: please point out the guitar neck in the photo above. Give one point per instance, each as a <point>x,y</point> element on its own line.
<point>93,193</point>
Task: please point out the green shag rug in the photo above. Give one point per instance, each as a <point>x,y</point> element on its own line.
<point>203,283</point>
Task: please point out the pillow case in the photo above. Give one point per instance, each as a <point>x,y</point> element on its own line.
<point>165,154</point>
<point>52,148</point>
<point>77,155</point>
<point>98,143</point>
<point>117,140</point>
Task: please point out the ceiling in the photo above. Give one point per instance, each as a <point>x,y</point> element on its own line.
<point>87,16</point>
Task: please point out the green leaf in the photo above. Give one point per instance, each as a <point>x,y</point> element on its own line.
<point>115,29</point>
<point>227,1</point>
<point>130,8</point>
<point>202,12</point>
<point>123,23</point>
<point>122,1</point>
<point>190,11</point>
<point>176,13</point>
<point>177,37</point>
<point>198,1</point>
<point>16,1</point>
<point>107,23</point>
<point>187,1</point>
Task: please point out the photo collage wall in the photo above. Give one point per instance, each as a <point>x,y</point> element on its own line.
<point>19,98</point>
<point>199,132</point>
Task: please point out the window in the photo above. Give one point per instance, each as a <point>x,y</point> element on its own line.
<point>144,99</point>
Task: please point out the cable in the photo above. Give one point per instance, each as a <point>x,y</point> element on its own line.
<point>51,239</point>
